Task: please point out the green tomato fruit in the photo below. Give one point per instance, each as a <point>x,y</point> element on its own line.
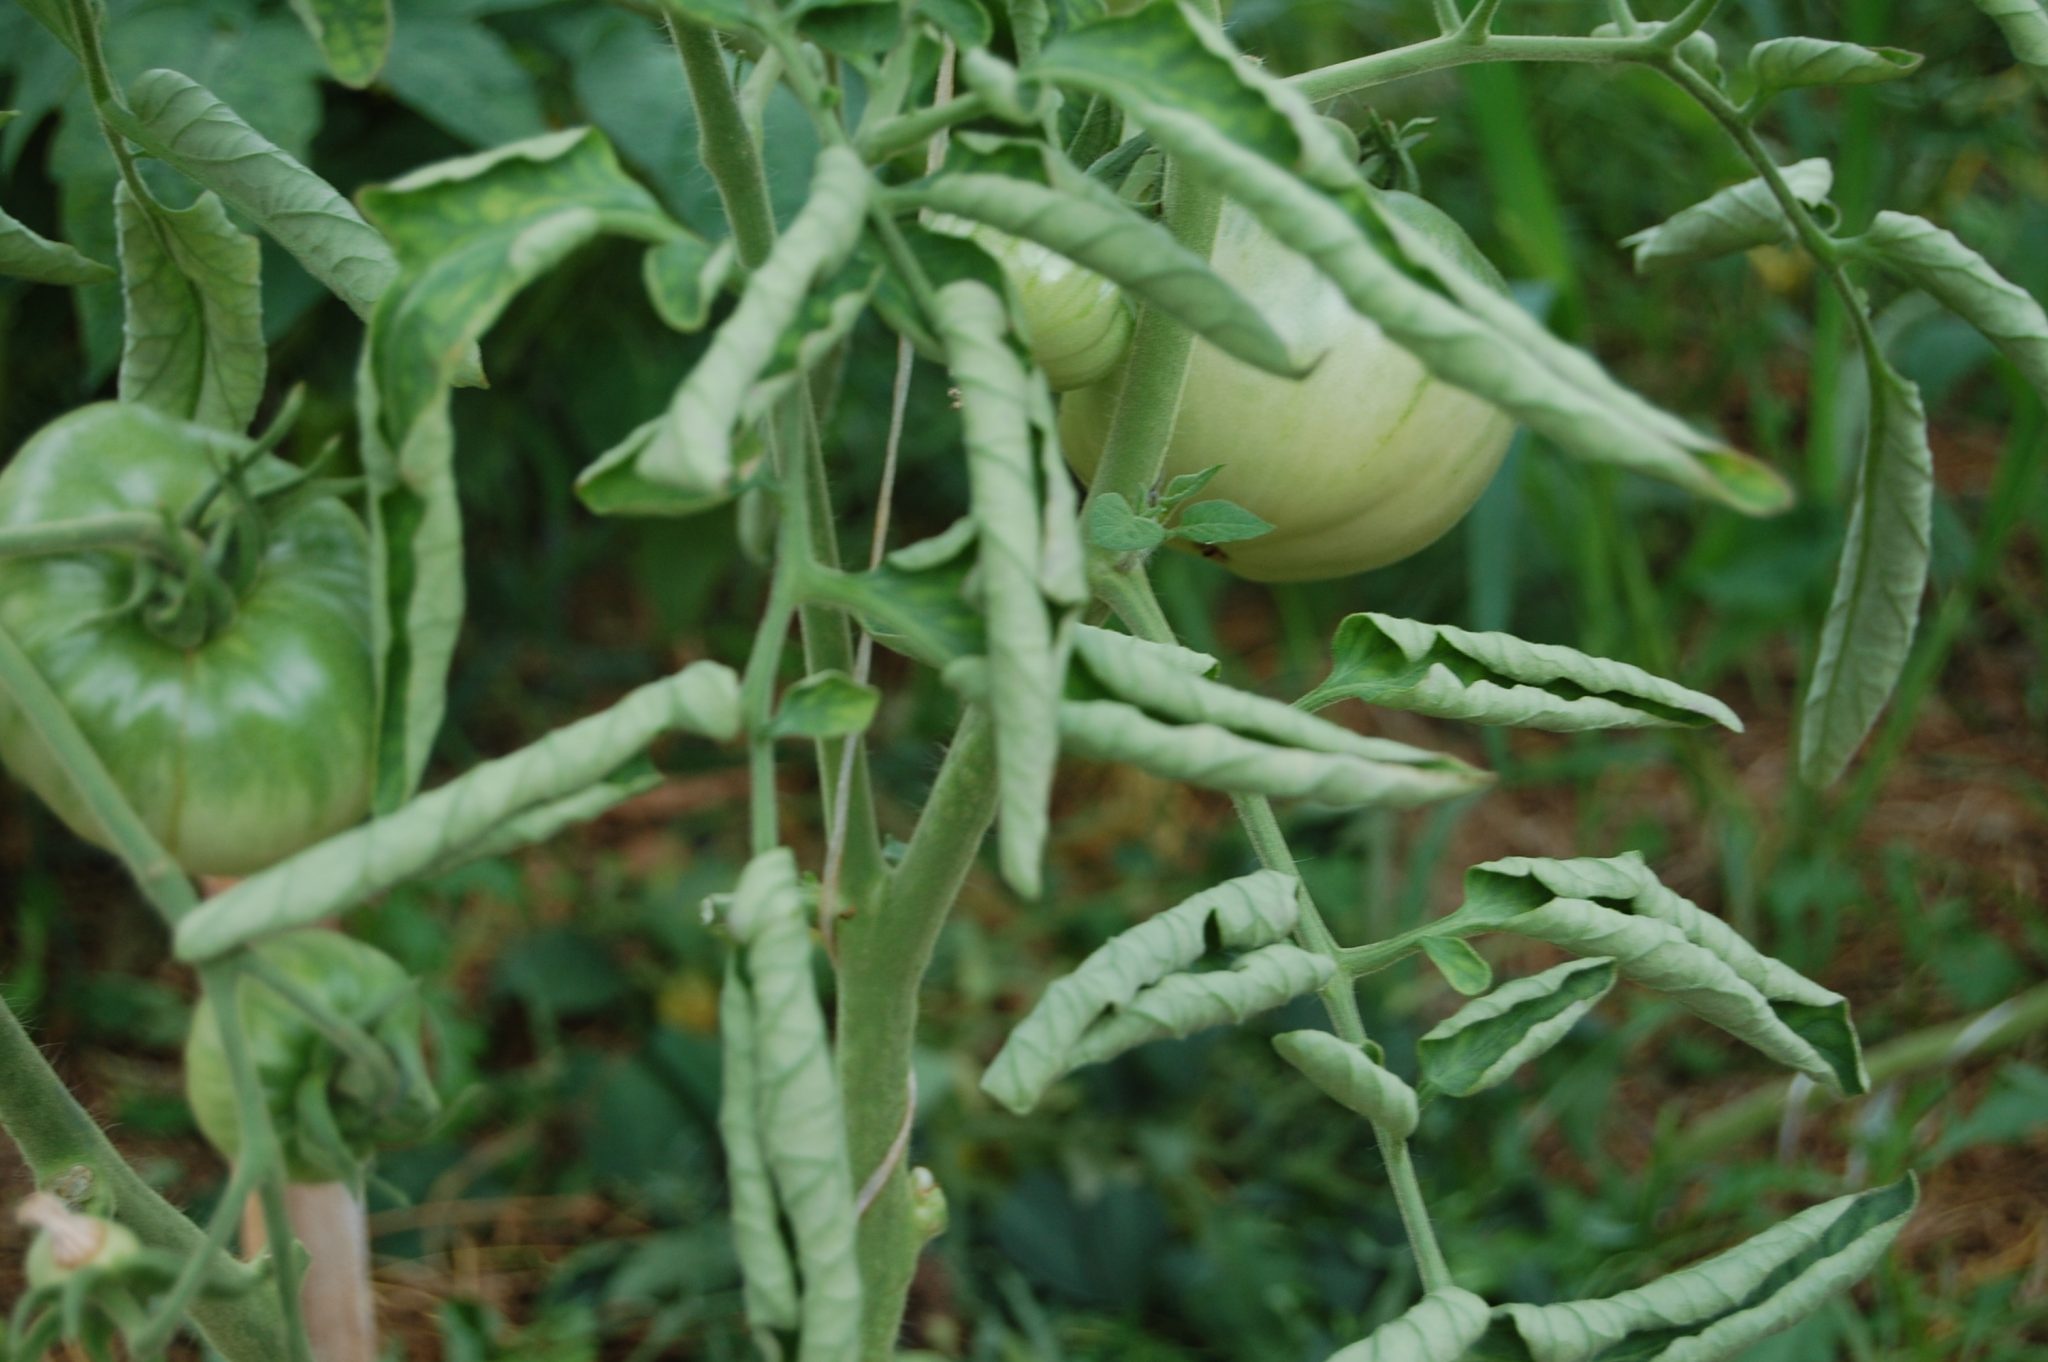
<point>236,751</point>
<point>330,1109</point>
<point>1361,463</point>
<point>69,1242</point>
<point>1075,322</point>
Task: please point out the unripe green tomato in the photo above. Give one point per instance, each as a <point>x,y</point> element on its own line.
<point>236,751</point>
<point>1075,322</point>
<point>1361,463</point>
<point>296,1065</point>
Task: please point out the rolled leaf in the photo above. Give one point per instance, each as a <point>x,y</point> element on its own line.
<point>1789,63</point>
<point>1883,572</point>
<point>1716,1308</point>
<point>470,233</point>
<point>802,1122</point>
<point>1353,1079</point>
<point>1737,218</point>
<point>345,871</point>
<point>182,124</point>
<point>2025,25</point>
<point>1243,914</point>
<point>1614,907</point>
<point>545,822</point>
<point>1256,138</point>
<point>1490,678</point>
<point>1438,1328</point>
<point>192,342</point>
<point>1492,1036</point>
<point>1026,668</point>
<point>684,458</point>
<point>767,1276</point>
<point>1182,1004</point>
<point>683,275</point>
<point>1964,282</point>
<point>26,255</point>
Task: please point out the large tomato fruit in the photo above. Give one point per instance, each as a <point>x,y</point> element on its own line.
<point>330,1109</point>
<point>1075,322</point>
<point>1363,462</point>
<point>236,751</point>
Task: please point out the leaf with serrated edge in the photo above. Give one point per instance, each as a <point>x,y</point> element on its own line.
<point>348,870</point>
<point>803,1124</point>
<point>1440,1327</point>
<point>1878,584</point>
<point>1737,218</point>
<point>1614,906</point>
<point>1027,669</point>
<point>1243,914</point>
<point>192,340</point>
<point>1490,1037</point>
<point>1114,527</point>
<point>24,254</point>
<point>1790,63</point>
<point>1219,522</point>
<point>1144,674</point>
<point>1964,282</point>
<point>1717,1308</point>
<point>1492,678</point>
<point>182,124</point>
<point>1350,1078</point>
<point>689,449</point>
<point>470,233</point>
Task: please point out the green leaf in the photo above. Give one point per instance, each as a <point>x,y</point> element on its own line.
<point>192,343</point>
<point>1182,1004</point>
<point>1790,63</point>
<point>1965,283</point>
<point>1027,666</point>
<point>55,15</point>
<point>1463,968</point>
<point>1734,219</point>
<point>688,450</point>
<point>1168,683</point>
<point>683,276</point>
<point>469,235</point>
<point>1246,914</point>
<point>1614,907</point>
<point>767,1276</point>
<point>1353,1079</point>
<point>851,28</point>
<point>183,125</point>
<point>1099,232</point>
<point>336,875</point>
<point>828,704</point>
<point>459,75</point>
<point>964,21</point>
<point>802,1120</point>
<point>353,35</point>
<point>1255,137</point>
<point>1438,1328</point>
<point>1180,488</point>
<point>1719,1307</point>
<point>26,255</point>
<point>1218,522</point>
<point>1883,572</point>
<point>923,612</point>
<point>2025,24</point>
<point>1490,678</point>
<point>1492,1036</point>
<point>1114,527</point>
<point>544,822</point>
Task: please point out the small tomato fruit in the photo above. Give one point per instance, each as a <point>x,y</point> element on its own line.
<point>237,750</point>
<point>330,1108</point>
<point>69,1242</point>
<point>1364,461</point>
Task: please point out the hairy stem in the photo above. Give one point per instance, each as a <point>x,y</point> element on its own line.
<point>884,952</point>
<point>723,142</point>
<point>894,136</point>
<point>68,1152</point>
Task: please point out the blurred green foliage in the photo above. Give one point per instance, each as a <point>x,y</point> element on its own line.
<point>1189,1201</point>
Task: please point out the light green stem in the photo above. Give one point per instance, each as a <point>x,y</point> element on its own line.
<point>69,1153</point>
<point>895,136</point>
<point>884,951</point>
<point>125,531</point>
<point>724,144</point>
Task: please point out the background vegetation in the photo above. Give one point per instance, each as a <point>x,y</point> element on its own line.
<point>1185,1203</point>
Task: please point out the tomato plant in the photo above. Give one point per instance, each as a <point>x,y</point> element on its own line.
<point>214,664</point>
<point>248,737</point>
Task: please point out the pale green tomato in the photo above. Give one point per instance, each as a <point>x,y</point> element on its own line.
<point>1075,322</point>
<point>1363,462</point>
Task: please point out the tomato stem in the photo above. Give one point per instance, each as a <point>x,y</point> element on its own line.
<point>724,144</point>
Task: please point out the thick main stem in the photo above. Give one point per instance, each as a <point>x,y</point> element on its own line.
<point>66,1149</point>
<point>724,144</point>
<point>884,952</point>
